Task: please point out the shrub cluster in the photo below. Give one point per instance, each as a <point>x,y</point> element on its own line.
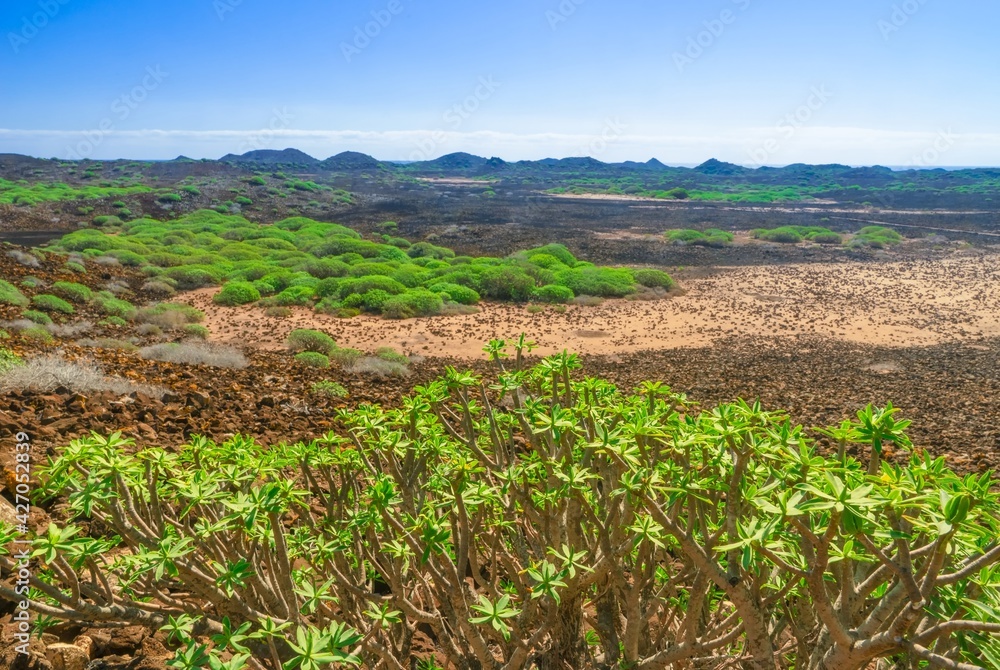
<point>711,237</point>
<point>302,262</point>
<point>797,234</point>
<point>876,237</point>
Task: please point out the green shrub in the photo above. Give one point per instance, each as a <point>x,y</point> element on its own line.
<point>278,312</point>
<point>51,303</point>
<point>10,295</point>
<point>236,293</point>
<point>685,235</point>
<point>73,292</point>
<point>345,357</point>
<point>41,318</point>
<point>391,355</point>
<point>506,282</point>
<point>325,268</point>
<point>557,251</point>
<point>552,293</point>
<point>78,268</point>
<point>196,331</point>
<point>784,235</point>
<point>428,250</point>
<point>257,181</point>
<point>329,389</point>
<point>244,201</point>
<point>826,238</point>
<point>372,301</point>
<point>601,282</point>
<point>653,278</point>
<point>413,303</point>
<point>463,295</point>
<point>9,360</point>
<point>115,307</point>
<point>113,321</point>
<point>189,277</point>
<point>311,359</point>
<point>364,284</point>
<point>310,340</point>
<point>300,296</point>
<point>107,221</point>
<point>170,197</point>
<point>37,334</point>
<point>877,237</point>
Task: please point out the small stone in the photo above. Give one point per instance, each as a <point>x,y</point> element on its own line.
<point>86,643</point>
<point>67,657</point>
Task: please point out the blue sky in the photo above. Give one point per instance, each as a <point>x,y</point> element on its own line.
<point>894,82</point>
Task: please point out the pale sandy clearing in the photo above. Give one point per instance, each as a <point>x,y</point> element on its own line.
<point>893,304</point>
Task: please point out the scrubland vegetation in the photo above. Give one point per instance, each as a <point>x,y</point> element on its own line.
<point>531,519</point>
<point>301,262</point>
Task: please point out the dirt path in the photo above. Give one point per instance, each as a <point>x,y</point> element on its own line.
<point>911,303</point>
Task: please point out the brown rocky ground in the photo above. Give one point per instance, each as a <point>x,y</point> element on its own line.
<point>788,336</point>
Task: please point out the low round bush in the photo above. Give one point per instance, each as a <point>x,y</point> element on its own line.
<point>602,282</point>
<point>364,284</point>
<point>506,282</point>
<point>310,340</point>
<point>236,293</point>
<point>300,296</point>
<point>37,334</point>
<point>72,291</point>
<point>463,295</point>
<point>41,318</point>
<point>189,278</point>
<point>115,306</point>
<point>113,321</point>
<point>311,359</point>
<point>373,300</point>
<point>417,302</point>
<point>197,331</point>
<point>51,303</point>
<point>552,293</point>
<point>11,295</point>
<point>653,278</point>
<point>781,236</point>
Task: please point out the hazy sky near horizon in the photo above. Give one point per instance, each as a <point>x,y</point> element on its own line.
<point>893,82</point>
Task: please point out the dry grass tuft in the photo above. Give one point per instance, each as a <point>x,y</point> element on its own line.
<point>195,353</point>
<point>48,373</point>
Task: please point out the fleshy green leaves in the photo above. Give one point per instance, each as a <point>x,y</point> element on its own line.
<point>495,614</point>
